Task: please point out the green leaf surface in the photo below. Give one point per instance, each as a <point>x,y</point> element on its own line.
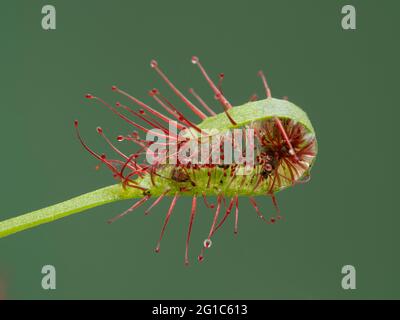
<point>83,202</point>
<point>258,110</point>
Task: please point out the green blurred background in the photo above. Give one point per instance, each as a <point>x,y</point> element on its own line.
<point>347,81</point>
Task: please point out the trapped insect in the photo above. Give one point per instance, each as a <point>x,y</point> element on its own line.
<point>255,149</point>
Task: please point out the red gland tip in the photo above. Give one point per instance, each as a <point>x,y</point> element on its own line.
<point>141,111</point>
<point>221,75</point>
<point>117,104</point>
<point>195,60</point>
<point>153,92</point>
<point>89,96</point>
<point>207,243</point>
<point>200,258</point>
<point>120,138</point>
<point>153,63</point>
<point>76,123</point>
<point>114,88</point>
<point>99,130</point>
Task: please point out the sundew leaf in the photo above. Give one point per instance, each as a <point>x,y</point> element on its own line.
<point>248,113</point>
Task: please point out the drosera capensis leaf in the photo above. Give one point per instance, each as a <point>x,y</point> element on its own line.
<point>263,109</point>
<point>284,144</point>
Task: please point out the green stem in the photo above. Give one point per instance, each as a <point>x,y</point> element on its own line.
<point>83,202</point>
